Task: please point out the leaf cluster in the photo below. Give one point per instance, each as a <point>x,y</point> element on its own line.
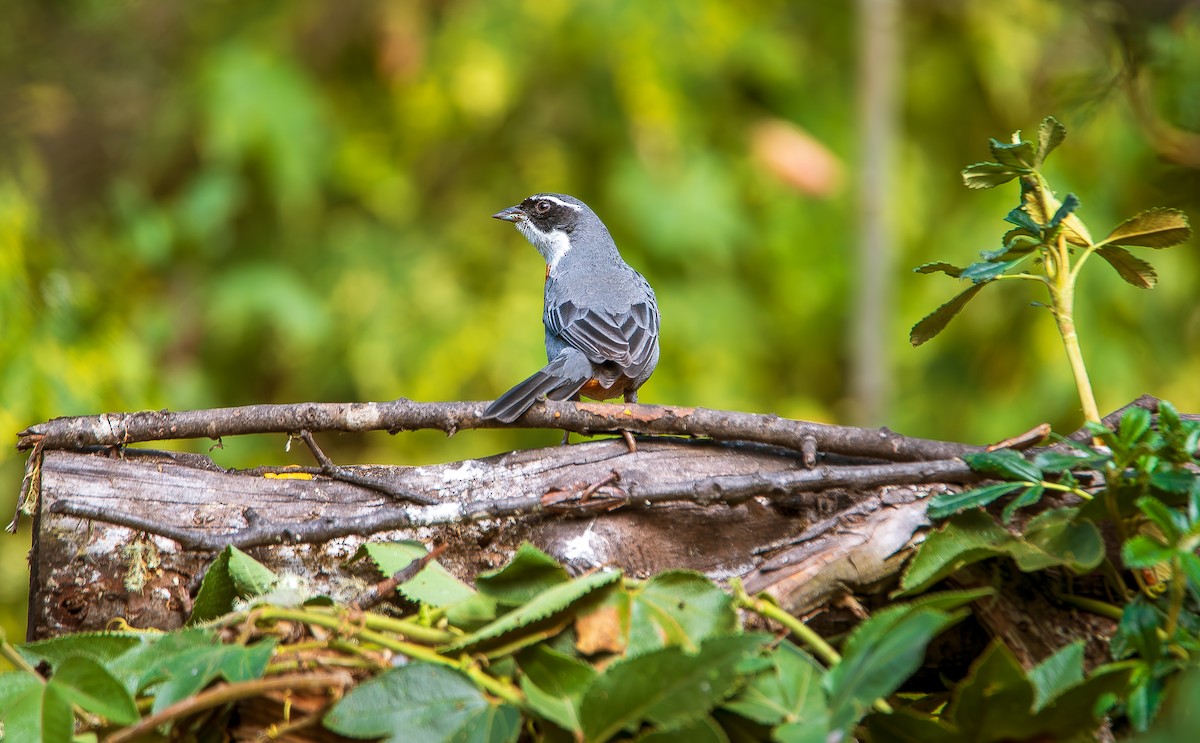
<point>1144,483</point>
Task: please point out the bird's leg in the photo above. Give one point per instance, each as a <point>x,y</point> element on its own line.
<point>630,397</point>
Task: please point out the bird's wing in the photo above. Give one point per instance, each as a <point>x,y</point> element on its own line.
<point>625,337</point>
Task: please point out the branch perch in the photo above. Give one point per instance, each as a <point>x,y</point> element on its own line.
<point>119,429</point>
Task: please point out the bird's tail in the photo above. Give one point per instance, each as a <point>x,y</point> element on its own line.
<point>561,379</point>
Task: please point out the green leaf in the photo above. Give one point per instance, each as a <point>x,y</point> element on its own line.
<point>667,687</point>
<point>1131,268</point>
<point>1153,228</point>
<point>910,726</point>
<point>86,683</point>
<point>102,647</point>
<point>936,321</point>
<point>1056,674</point>
<point>420,701</point>
<point>554,684</point>
<point>987,270</point>
<point>1172,522</point>
<point>496,723</point>
<point>948,504</point>
<point>530,572</point>
<point>1056,461</point>
<point>678,607</point>
<point>1060,537</point>
<point>1065,209</point>
<point>34,711</point>
<point>1050,135</point>
<point>995,700</point>
<point>1028,498</point>
<point>192,670</point>
<point>1054,538</point>
<point>1135,423</point>
<point>433,585</point>
<point>1018,246</point>
<point>939,267</point>
<point>988,175</point>
<point>1137,632</point>
<point>233,575</point>
<point>1141,551</point>
<point>1005,463</point>
<point>878,657</point>
<point>789,691</point>
<point>545,605</point>
<point>1020,155</point>
<point>704,730</point>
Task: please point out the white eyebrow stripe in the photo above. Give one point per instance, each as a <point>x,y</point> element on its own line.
<point>559,201</point>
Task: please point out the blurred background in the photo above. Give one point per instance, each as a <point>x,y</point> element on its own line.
<point>217,203</point>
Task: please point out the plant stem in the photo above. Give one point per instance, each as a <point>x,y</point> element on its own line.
<point>1062,297</point>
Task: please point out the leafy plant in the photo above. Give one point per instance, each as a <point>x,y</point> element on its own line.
<point>598,657</point>
<point>1048,243</point>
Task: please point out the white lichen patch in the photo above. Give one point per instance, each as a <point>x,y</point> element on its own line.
<point>466,470</point>
<point>586,548</point>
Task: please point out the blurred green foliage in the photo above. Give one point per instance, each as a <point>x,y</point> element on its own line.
<point>212,203</point>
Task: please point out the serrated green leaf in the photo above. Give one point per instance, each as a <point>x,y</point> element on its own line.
<point>876,662</point>
<point>86,683</point>
<point>190,671</point>
<point>939,267</point>
<point>948,504</point>
<point>1050,135</point>
<point>995,699</point>
<point>1129,267</point>
<point>1020,155</point>
<point>678,607</point>
<point>420,701</point>
<point>1028,498</point>
<point>530,572</point>
<point>1056,674</point>
<point>988,175</point>
<point>1135,423</point>
<point>545,605</point>
<point>554,684</point>
<point>1141,551</point>
<point>496,723</point>
<point>147,663</point>
<point>1054,538</point>
<point>936,321</point>
<point>1153,228</point>
<point>1025,224</point>
<point>1173,523</point>
<point>1056,461</point>
<point>1006,463</point>
<point>665,687</point>
<point>789,691</point>
<point>102,647</point>
<point>233,575</point>
<point>985,271</point>
<point>1137,633</point>
<point>433,585</point>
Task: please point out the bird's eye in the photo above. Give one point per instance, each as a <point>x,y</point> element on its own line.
<point>542,207</point>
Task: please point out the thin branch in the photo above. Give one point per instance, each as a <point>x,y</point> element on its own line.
<point>343,474</point>
<point>118,429</point>
<point>223,694</point>
<point>728,489</point>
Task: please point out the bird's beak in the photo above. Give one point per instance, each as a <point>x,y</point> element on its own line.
<point>511,214</point>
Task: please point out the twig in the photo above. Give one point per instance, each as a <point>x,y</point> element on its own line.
<point>451,417</point>
<point>728,489</point>
<point>384,588</point>
<point>342,474</point>
<point>225,693</point>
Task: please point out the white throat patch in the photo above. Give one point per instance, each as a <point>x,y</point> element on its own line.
<point>552,245</point>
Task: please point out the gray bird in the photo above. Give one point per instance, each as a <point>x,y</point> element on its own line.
<point>601,316</point>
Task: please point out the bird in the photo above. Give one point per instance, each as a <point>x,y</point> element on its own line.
<point>601,316</point>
